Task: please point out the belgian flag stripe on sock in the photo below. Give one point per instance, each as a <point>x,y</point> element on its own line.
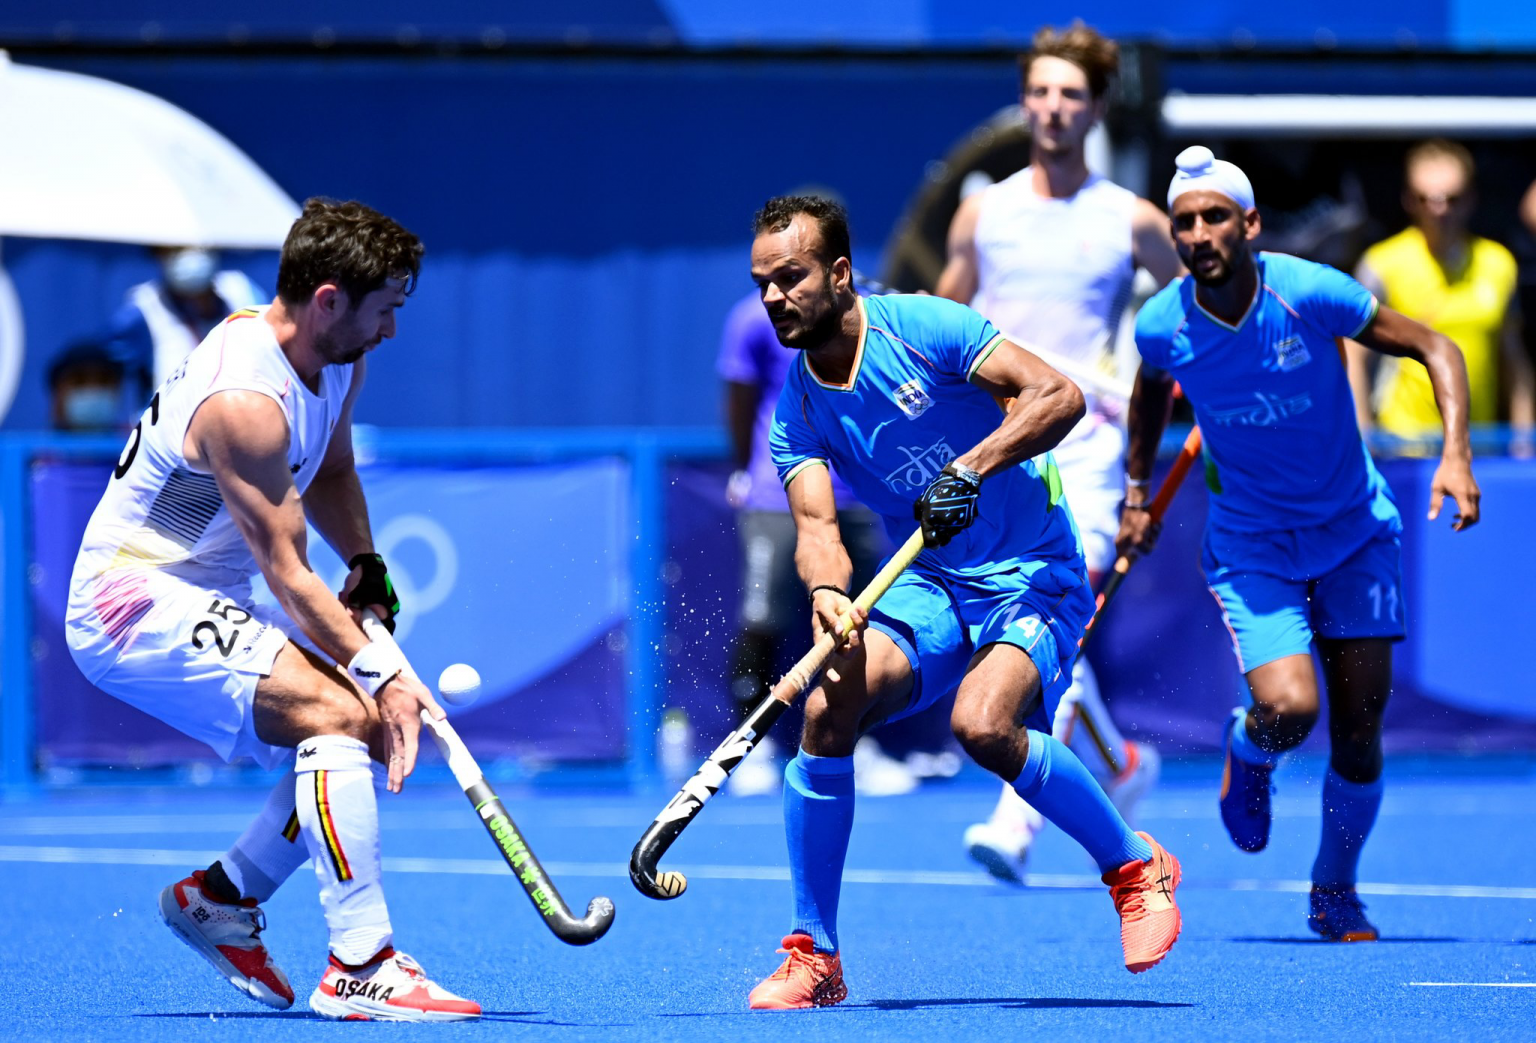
<point>328,827</point>
<point>291,830</point>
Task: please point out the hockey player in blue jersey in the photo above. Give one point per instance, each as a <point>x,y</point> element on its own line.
<point>1302,542</point>
<point>900,395</point>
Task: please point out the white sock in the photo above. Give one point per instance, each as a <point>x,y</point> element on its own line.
<point>339,814</point>
<point>1082,715</point>
<point>270,849</point>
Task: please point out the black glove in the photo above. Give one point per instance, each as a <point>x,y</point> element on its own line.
<point>374,587</point>
<point>948,505</point>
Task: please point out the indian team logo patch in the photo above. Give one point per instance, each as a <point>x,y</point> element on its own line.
<point>912,399</point>
<point>1290,354</point>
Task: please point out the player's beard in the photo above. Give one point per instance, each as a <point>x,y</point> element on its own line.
<point>1217,277</point>
<point>821,329</point>
<point>329,347</point>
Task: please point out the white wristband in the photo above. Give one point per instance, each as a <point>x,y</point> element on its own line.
<point>375,666</point>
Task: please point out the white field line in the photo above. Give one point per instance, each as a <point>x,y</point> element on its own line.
<point>727,813</point>
<point>910,877</point>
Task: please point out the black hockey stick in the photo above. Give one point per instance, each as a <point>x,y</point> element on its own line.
<point>498,823</point>
<point>706,782</point>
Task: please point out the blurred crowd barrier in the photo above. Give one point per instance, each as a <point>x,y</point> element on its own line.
<point>591,578</point>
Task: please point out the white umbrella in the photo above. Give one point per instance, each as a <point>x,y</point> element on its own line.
<point>86,158</point>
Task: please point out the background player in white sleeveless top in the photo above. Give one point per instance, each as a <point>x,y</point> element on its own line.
<point>251,434</point>
<point>1049,255</point>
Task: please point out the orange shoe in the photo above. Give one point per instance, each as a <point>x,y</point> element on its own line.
<point>806,978</point>
<point>1149,918</point>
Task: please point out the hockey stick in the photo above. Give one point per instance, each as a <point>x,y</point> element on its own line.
<point>498,823</point>
<point>1158,507</point>
<point>706,782</point>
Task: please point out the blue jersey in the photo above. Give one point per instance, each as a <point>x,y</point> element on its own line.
<point>907,409</point>
<point>1272,397</point>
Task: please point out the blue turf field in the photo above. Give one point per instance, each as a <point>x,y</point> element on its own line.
<point>932,948</point>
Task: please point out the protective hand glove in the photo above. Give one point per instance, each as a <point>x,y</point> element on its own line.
<point>948,505</point>
<point>373,587</point>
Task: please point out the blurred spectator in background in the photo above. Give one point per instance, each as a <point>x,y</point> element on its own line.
<point>753,364</point>
<point>86,384</point>
<point>1049,255</point>
<point>164,319</point>
<point>1528,270</point>
<point>1437,272</point>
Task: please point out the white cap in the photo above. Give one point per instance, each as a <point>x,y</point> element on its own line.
<point>1199,169</point>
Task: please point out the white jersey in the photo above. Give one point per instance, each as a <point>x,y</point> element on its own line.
<point>1056,273</point>
<point>159,515</point>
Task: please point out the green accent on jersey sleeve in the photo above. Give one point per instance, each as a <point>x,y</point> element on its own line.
<point>1375,310</point>
<point>801,466</point>
<point>1051,476</point>
<point>1212,478</point>
<point>984,354</point>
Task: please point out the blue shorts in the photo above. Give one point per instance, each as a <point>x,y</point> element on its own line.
<point>939,621</point>
<point>1278,590</point>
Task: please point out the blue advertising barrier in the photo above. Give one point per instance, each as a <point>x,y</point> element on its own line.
<point>593,577</point>
<point>535,556</point>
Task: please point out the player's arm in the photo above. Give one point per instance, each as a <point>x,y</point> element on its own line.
<point>1359,361</point>
<point>960,277</point>
<point>241,437</point>
<point>741,402</point>
<point>1152,243</point>
<point>820,557</point>
<point>1045,407</point>
<point>1041,407</point>
<point>1393,333</point>
<point>336,507</point>
<point>1146,417</point>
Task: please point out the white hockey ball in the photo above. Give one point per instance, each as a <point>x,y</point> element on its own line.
<point>459,684</point>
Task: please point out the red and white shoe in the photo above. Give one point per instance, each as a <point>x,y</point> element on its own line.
<point>227,935</point>
<point>391,988</point>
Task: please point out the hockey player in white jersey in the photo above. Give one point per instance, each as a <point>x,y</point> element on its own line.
<point>1049,255</point>
<point>250,435</point>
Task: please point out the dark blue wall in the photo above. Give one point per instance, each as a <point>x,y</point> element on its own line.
<point>586,220</point>
<point>706,23</point>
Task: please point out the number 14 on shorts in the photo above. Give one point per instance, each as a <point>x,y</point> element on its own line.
<point>1029,624</point>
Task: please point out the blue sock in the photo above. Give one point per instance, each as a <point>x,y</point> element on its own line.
<point>1057,784</point>
<point>1244,748</point>
<point>1349,812</point>
<point>818,817</point>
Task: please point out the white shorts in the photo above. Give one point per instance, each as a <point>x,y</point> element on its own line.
<point>1092,465</point>
<point>185,654</point>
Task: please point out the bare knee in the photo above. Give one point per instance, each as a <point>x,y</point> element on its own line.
<point>831,723</point>
<point>990,736</point>
<point>1285,702</point>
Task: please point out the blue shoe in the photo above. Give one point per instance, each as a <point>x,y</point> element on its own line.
<point>1245,791</point>
<point>1339,915</point>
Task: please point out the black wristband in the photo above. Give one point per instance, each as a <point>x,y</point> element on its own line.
<point>827,586</point>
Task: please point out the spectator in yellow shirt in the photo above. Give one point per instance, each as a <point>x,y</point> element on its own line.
<point>1438,272</point>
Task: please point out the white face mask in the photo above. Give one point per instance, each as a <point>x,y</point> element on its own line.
<point>189,271</point>
<point>91,408</point>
